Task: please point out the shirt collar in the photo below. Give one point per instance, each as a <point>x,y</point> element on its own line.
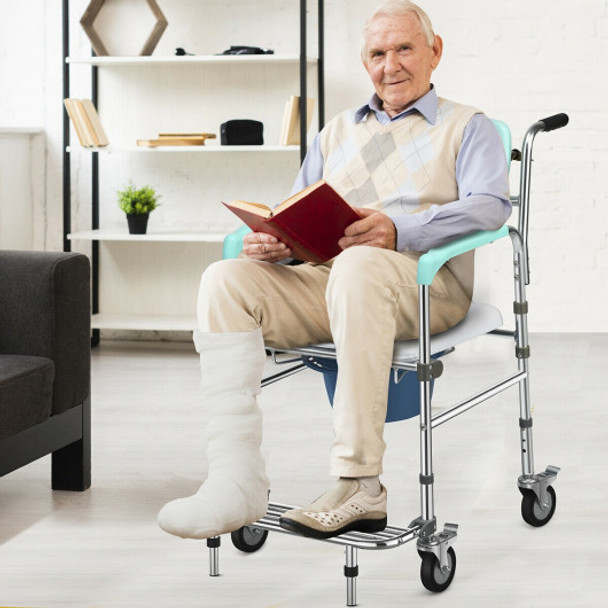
<point>427,106</point>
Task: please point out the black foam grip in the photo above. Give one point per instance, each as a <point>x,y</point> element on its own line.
<point>557,121</point>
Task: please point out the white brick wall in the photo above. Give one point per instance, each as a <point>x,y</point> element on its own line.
<point>518,61</point>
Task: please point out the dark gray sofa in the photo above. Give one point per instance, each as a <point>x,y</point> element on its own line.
<point>45,364</point>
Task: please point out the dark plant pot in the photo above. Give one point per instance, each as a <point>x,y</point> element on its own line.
<point>138,223</point>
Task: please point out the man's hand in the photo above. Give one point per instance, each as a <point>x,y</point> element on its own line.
<point>375,229</point>
<point>264,247</point>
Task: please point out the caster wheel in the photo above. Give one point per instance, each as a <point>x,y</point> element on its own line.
<point>431,574</point>
<point>531,510</point>
<point>249,538</point>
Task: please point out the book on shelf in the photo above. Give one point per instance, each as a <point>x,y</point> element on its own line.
<point>101,139</point>
<point>87,123</point>
<point>290,127</point>
<point>310,222</point>
<point>176,139</point>
<point>77,119</point>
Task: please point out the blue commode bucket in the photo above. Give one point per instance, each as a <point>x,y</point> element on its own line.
<point>403,397</point>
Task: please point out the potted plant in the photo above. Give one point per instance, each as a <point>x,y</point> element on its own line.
<point>137,203</point>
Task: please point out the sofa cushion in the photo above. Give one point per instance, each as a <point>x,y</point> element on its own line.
<point>26,392</point>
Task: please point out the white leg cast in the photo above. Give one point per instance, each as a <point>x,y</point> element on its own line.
<point>235,492</point>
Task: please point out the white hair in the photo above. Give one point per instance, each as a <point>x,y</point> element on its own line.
<point>392,8</point>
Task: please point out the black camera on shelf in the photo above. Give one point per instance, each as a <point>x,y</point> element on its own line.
<point>233,50</point>
<point>246,50</point>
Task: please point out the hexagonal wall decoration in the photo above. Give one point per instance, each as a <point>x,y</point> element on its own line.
<point>92,11</point>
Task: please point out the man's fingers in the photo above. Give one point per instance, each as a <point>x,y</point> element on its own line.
<point>375,230</point>
<point>358,227</point>
<point>255,238</point>
<point>264,238</point>
<point>264,247</point>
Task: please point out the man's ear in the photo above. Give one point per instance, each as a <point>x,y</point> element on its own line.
<point>437,51</point>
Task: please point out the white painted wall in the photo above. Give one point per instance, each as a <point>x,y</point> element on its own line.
<point>518,61</point>
<point>22,116</point>
<point>21,187</point>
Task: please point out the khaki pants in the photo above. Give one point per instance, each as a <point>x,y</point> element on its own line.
<point>363,301</point>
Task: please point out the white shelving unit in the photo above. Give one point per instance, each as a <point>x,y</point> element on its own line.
<point>150,282</point>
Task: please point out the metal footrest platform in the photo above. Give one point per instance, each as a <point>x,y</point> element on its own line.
<point>389,538</point>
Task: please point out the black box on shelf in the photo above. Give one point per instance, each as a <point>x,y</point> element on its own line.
<point>242,133</point>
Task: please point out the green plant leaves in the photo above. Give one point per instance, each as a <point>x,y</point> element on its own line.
<point>137,201</point>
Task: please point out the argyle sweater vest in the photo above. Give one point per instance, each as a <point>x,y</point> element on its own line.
<point>402,167</point>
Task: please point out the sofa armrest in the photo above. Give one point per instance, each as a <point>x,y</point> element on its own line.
<point>45,311</point>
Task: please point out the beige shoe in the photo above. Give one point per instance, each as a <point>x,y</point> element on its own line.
<point>347,506</point>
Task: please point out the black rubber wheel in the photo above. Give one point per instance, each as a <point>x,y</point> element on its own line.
<point>431,574</point>
<point>249,538</point>
<point>531,510</point>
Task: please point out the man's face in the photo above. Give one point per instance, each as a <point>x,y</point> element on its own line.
<point>400,61</point>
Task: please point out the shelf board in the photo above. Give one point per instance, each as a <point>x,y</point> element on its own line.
<point>118,234</point>
<point>21,130</point>
<point>176,149</point>
<point>143,322</point>
<point>188,59</point>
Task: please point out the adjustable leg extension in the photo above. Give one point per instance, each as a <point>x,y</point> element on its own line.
<point>438,557</point>
<point>351,571</point>
<point>214,555</point>
<point>539,500</point>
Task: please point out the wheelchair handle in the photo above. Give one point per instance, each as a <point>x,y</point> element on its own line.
<point>557,121</point>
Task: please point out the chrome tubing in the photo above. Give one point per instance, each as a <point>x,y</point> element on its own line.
<point>284,374</point>
<point>476,399</point>
<point>214,555</point>
<point>523,353</point>
<point>427,506</point>
<point>550,123</point>
<point>350,571</point>
<point>524,187</point>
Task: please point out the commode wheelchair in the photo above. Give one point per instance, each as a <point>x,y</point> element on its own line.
<point>416,365</point>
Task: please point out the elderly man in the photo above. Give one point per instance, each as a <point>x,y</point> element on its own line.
<point>421,171</point>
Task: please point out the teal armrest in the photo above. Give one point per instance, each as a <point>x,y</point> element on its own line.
<point>433,260</point>
<point>233,243</point>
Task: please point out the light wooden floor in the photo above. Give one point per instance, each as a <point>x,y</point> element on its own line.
<point>102,548</point>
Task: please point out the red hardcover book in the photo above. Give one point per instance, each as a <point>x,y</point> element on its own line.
<point>310,222</point>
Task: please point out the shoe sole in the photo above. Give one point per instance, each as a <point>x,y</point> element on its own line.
<point>361,525</point>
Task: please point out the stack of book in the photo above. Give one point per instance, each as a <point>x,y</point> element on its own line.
<point>86,122</point>
<point>176,139</point>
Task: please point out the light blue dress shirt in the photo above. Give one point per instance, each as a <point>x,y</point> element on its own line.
<point>481,175</point>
